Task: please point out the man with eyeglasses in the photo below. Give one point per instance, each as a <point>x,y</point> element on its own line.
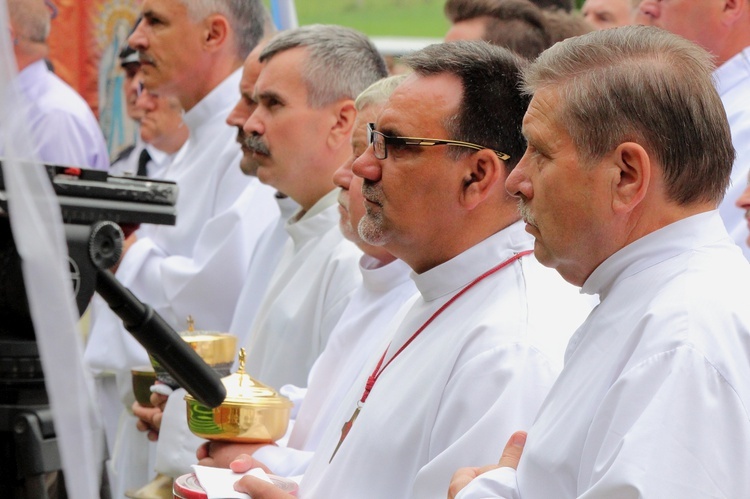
<point>477,349</point>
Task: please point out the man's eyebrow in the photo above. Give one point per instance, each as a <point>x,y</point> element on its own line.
<point>390,131</point>
<point>267,94</point>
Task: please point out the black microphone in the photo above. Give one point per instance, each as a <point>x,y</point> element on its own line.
<point>161,341</point>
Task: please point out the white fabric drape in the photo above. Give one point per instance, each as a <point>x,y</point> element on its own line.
<point>38,234</point>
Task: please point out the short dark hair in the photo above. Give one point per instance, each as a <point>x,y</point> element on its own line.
<point>463,10</point>
<point>341,62</point>
<point>561,25</point>
<point>492,105</point>
<point>646,85</point>
<point>518,25</point>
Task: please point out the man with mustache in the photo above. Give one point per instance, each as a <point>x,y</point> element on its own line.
<point>300,133</point>
<point>475,351</point>
<point>653,399</point>
<point>193,51</point>
<point>176,444</point>
<point>385,287</point>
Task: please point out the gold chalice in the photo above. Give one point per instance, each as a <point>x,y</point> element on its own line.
<point>251,412</point>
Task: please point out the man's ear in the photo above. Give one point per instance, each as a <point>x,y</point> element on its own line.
<point>733,11</point>
<point>633,172</point>
<point>216,31</point>
<point>342,124</point>
<point>483,172</point>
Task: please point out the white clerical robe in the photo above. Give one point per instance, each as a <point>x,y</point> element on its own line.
<point>176,446</point>
<point>262,267</point>
<point>193,268</point>
<point>361,329</point>
<point>653,400</point>
<point>733,85</point>
<point>63,127</point>
<point>474,375</point>
<point>309,290</point>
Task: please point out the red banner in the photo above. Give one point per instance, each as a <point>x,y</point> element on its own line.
<point>85,41</point>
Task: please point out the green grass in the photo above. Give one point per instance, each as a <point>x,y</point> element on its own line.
<point>380,17</point>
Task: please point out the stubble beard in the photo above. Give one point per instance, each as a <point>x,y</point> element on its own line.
<point>371,226</point>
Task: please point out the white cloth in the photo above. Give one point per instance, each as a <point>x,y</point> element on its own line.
<point>262,266</point>
<point>653,400</point>
<point>733,85</point>
<point>195,267</point>
<point>473,376</point>
<point>39,239</point>
<point>176,446</point>
<point>64,129</point>
<point>357,335</point>
<point>309,290</point>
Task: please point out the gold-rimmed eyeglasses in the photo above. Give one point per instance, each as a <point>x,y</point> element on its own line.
<point>380,142</point>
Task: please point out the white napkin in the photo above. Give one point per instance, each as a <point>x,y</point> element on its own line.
<point>219,482</point>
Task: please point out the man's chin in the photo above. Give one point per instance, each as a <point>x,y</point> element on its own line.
<point>249,167</point>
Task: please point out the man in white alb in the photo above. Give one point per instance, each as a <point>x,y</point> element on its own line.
<point>468,360</point>
<point>723,28</point>
<point>299,134</point>
<point>385,288</point>
<point>64,128</point>
<point>653,399</point>
<point>193,51</point>
<point>176,444</point>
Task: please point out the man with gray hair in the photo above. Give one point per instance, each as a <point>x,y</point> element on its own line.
<point>629,154</point>
<point>723,28</point>
<point>299,134</point>
<point>192,50</point>
<point>474,352</point>
<point>64,128</point>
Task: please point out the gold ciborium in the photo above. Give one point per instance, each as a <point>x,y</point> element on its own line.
<point>216,349</point>
<point>251,412</point>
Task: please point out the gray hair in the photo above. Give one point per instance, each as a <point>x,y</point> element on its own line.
<point>379,92</point>
<point>492,106</point>
<point>341,62</point>
<point>246,17</point>
<point>642,84</point>
<point>30,19</point>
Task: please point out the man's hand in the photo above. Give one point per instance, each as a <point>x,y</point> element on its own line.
<point>260,489</point>
<point>224,454</point>
<point>149,418</point>
<point>510,458</point>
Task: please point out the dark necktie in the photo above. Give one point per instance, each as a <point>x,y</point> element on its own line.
<point>143,160</point>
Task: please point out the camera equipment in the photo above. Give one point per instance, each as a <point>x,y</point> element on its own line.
<point>95,208</point>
